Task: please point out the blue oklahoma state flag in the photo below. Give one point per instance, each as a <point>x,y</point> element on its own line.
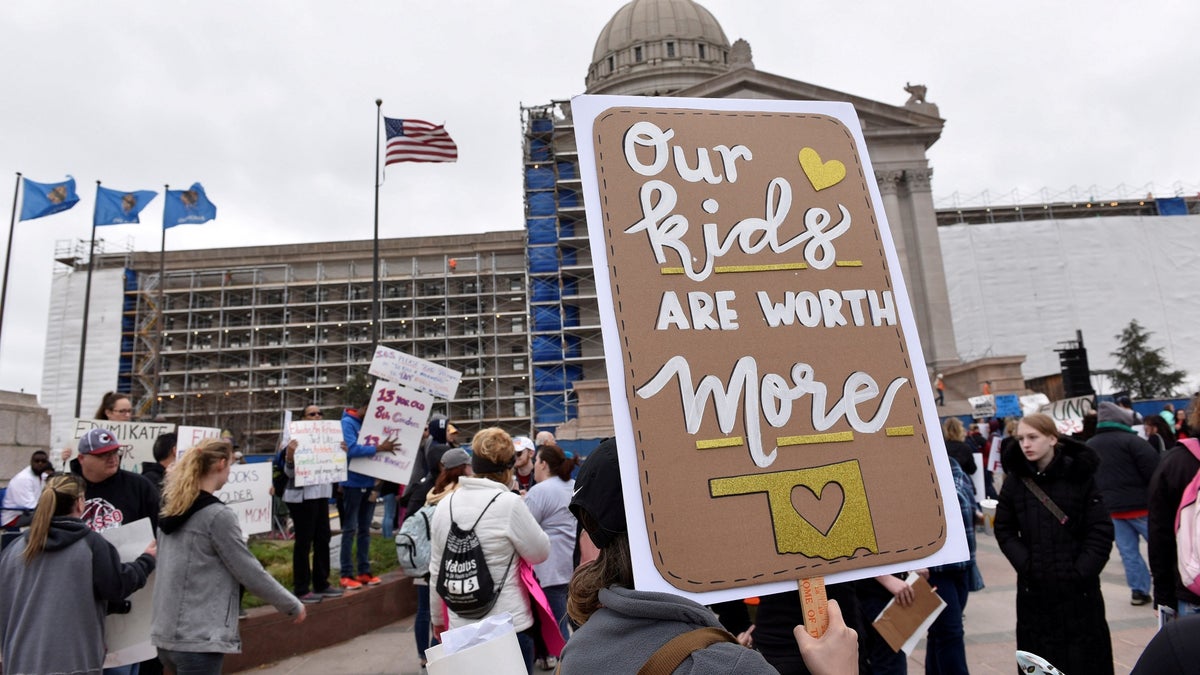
<point>44,199</point>
<point>188,207</point>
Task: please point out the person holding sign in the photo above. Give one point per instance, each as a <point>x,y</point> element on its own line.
<point>357,508</point>
<point>622,629</point>
<point>309,506</point>
<point>58,578</point>
<point>203,559</point>
<point>1053,527</point>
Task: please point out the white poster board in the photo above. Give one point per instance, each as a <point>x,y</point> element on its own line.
<point>982,407</point>
<point>248,493</point>
<point>759,339</point>
<point>187,437</point>
<point>319,455</point>
<point>410,371</point>
<point>1068,413</point>
<point>128,635</point>
<point>399,413</point>
<point>137,439</point>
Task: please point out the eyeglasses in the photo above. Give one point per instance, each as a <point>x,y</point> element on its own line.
<point>122,411</point>
<point>313,414</point>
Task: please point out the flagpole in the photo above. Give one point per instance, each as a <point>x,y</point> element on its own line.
<point>87,301</point>
<point>375,256</point>
<point>12,221</point>
<point>162,310</point>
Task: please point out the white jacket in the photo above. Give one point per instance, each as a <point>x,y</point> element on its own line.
<point>506,527</point>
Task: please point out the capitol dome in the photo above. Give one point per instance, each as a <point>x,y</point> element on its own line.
<point>656,47</point>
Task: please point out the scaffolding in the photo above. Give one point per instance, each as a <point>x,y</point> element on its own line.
<point>566,345</point>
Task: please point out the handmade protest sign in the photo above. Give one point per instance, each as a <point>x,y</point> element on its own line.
<point>395,412</point>
<point>982,407</point>
<point>410,371</point>
<point>772,406</point>
<point>127,635</point>
<point>1068,413</point>
<point>319,455</point>
<point>248,493</point>
<point>137,438</point>
<point>187,437</point>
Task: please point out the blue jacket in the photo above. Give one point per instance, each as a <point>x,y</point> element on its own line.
<point>351,425</point>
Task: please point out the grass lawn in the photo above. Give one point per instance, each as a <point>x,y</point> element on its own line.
<point>276,556</point>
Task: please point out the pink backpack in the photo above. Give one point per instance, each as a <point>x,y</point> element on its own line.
<point>1187,527</point>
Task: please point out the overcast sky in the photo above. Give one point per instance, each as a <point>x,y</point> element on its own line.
<point>271,106</point>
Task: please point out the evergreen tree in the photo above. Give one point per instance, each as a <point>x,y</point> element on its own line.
<point>1142,370</point>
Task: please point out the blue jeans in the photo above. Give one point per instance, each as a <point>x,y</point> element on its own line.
<point>1186,608</point>
<point>945,651</point>
<point>557,597</point>
<point>389,515</point>
<point>421,623</point>
<point>131,669</point>
<point>356,527</point>
<point>191,663</point>
<point>1127,531</point>
<point>525,640</point>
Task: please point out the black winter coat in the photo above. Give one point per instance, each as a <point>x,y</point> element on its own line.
<point>963,454</point>
<point>1126,465</point>
<point>1176,469</point>
<point>1060,611</point>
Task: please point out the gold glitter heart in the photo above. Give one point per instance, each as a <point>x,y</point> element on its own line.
<point>821,174</point>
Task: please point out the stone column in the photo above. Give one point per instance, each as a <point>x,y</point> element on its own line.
<point>889,186</point>
<point>928,273</point>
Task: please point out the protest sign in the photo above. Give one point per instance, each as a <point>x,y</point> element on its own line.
<point>319,455</point>
<point>1068,413</point>
<point>395,412</point>
<point>137,439</point>
<point>768,387</point>
<point>1008,405</point>
<point>410,371</point>
<point>127,636</point>
<point>248,493</point>
<point>982,407</point>
<point>187,437</point>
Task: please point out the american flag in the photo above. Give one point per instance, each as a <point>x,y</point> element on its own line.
<point>418,141</point>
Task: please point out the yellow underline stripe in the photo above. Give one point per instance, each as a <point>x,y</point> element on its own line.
<point>899,431</point>
<point>779,267</point>
<point>837,437</point>
<point>712,443</point>
<point>848,263</point>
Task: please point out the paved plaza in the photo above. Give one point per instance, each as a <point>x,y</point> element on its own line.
<point>990,619</point>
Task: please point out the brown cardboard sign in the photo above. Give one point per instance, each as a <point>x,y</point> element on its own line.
<point>768,365</point>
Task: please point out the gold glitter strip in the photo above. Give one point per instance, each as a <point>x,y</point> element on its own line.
<point>713,443</point>
<point>899,431</point>
<point>848,263</point>
<point>733,269</point>
<point>838,437</point>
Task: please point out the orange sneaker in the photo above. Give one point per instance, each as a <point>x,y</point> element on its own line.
<point>367,580</point>
<point>350,584</point>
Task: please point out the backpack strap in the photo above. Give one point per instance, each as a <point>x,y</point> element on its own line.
<point>1192,445</point>
<point>450,501</point>
<point>679,648</point>
<point>1045,500</point>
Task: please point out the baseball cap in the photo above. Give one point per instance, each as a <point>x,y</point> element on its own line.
<point>523,443</point>
<point>98,441</point>
<point>455,457</point>
<point>598,493</point>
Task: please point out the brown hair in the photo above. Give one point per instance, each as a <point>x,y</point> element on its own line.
<point>612,567</point>
<point>182,485</point>
<point>952,429</point>
<point>58,499</point>
<point>495,445</point>
<point>448,476</point>
<point>1193,417</point>
<point>109,402</point>
<point>1043,424</point>
<point>557,461</point>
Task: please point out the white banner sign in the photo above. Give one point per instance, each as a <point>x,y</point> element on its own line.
<point>399,413</point>
<point>410,371</point>
<point>319,458</point>
<point>1068,413</point>
<point>128,635</point>
<point>137,439</point>
<point>188,437</point>
<point>982,407</point>
<point>248,493</point>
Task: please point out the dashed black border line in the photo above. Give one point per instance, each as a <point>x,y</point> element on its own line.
<point>631,396</point>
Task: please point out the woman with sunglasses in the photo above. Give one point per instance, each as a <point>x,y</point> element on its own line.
<point>309,508</point>
<point>58,578</point>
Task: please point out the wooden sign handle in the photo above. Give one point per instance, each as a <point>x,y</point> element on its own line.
<point>815,605</point>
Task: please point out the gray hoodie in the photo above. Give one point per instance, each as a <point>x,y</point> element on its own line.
<point>202,559</point>
<point>62,592</point>
<point>623,634</point>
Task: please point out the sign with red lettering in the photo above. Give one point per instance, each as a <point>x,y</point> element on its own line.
<point>767,382</point>
<point>398,413</point>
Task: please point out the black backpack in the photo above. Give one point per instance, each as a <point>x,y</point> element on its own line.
<point>464,581</point>
<point>279,477</point>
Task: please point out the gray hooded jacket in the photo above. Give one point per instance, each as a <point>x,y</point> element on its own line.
<point>202,559</point>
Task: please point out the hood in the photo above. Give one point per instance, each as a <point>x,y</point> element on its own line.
<point>1072,460</point>
<point>170,524</point>
<point>153,468</point>
<point>655,605</point>
<point>64,531</point>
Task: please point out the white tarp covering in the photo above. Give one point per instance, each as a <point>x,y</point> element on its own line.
<point>1023,287</point>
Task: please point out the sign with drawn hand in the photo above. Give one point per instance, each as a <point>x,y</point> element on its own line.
<point>771,401</point>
